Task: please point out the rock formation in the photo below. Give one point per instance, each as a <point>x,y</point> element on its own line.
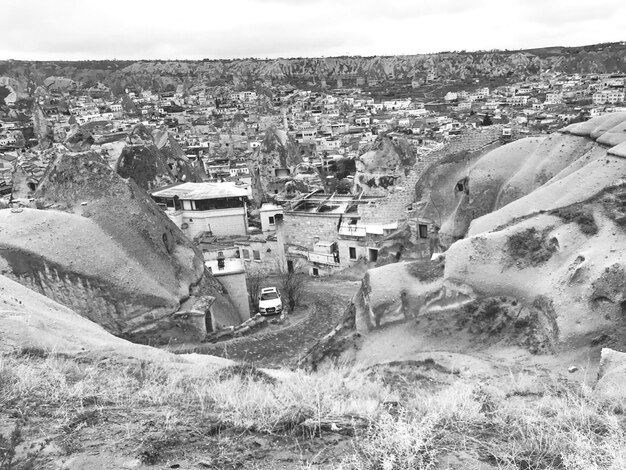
<point>105,249</point>
<point>153,159</point>
<point>60,83</point>
<point>600,58</point>
<point>540,250</point>
<point>41,128</point>
<point>611,374</point>
<point>273,164</point>
<point>384,165</point>
<point>79,139</point>
<point>29,168</point>
<point>30,321</point>
<point>465,186</point>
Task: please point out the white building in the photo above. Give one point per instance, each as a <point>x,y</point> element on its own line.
<point>554,98</point>
<point>214,208</point>
<point>517,100</point>
<point>268,214</point>
<point>608,97</point>
<point>392,105</point>
<point>307,135</point>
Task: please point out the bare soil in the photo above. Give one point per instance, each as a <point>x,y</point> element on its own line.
<point>321,309</point>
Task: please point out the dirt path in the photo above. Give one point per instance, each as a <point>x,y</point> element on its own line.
<point>326,299</point>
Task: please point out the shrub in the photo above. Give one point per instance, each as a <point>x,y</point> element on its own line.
<point>580,215</point>
<point>426,271</point>
<point>529,248</point>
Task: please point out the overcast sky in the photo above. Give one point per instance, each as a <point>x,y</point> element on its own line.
<point>196,29</point>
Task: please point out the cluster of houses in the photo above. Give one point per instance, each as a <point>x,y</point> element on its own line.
<point>221,128</point>
<point>546,102</point>
<point>316,233</point>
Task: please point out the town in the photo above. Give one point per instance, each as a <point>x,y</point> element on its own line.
<point>271,177</point>
<point>338,262</point>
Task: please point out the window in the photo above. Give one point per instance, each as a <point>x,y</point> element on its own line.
<point>373,255</point>
<point>269,296</point>
<point>462,186</point>
<point>245,253</point>
<point>316,272</point>
<point>256,254</point>
<point>423,230</point>
<point>352,252</point>
<point>271,219</point>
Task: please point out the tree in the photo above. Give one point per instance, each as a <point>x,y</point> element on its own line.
<point>254,278</point>
<point>487,120</point>
<point>344,186</point>
<point>292,286</point>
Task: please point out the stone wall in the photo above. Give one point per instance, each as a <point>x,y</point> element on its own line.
<point>268,250</point>
<point>306,229</point>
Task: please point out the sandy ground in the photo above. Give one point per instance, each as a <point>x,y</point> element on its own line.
<point>406,342</point>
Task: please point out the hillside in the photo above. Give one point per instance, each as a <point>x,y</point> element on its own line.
<point>162,75</point>
<point>533,268</point>
<point>105,249</point>
<point>499,353</point>
<point>75,397</point>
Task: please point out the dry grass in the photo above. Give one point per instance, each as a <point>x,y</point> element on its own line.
<point>525,422</point>
<point>533,423</point>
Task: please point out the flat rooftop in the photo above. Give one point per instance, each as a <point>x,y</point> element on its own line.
<point>231,266</point>
<point>317,202</point>
<point>200,191</point>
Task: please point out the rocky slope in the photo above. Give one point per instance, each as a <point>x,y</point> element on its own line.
<point>536,239</point>
<point>105,249</point>
<point>31,321</point>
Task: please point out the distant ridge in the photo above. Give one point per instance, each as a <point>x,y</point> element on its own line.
<point>353,70</point>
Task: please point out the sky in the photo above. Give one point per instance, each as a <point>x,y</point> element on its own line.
<point>197,29</point>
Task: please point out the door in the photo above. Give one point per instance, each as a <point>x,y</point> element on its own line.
<point>208,321</point>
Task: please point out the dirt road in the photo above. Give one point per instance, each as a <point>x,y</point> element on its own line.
<point>325,301</point>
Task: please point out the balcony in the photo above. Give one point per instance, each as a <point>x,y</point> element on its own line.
<point>352,230</point>
<point>322,258</point>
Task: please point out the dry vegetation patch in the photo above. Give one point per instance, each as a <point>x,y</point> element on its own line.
<point>582,216</point>
<point>52,407</point>
<point>426,271</point>
<point>530,247</point>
